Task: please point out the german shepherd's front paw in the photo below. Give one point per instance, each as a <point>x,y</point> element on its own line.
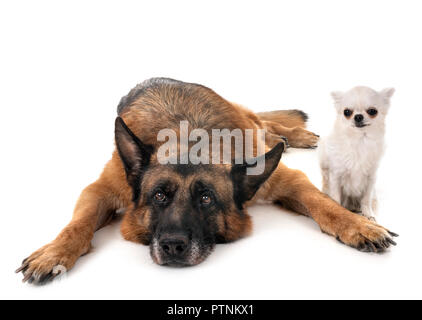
<point>301,138</point>
<point>367,236</point>
<point>46,264</point>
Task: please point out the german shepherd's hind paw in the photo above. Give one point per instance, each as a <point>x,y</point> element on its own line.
<point>302,138</point>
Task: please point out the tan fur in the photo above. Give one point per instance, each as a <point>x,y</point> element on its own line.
<point>297,136</point>
<point>286,118</point>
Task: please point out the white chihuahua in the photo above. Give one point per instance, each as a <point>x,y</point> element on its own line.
<point>350,155</point>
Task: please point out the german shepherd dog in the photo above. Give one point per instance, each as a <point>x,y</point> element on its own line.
<point>182,210</point>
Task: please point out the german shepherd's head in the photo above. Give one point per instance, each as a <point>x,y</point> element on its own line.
<point>182,210</point>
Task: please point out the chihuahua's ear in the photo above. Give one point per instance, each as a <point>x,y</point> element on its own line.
<point>337,96</point>
<point>387,93</point>
<point>134,154</point>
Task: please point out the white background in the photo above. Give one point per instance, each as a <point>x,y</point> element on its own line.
<point>65,65</point>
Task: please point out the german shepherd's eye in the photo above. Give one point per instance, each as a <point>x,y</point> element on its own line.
<point>347,113</point>
<point>159,196</point>
<point>205,199</point>
<point>372,111</point>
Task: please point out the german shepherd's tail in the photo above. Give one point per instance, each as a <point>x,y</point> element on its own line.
<point>286,118</point>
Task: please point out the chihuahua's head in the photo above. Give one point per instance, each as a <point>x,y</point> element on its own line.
<point>362,107</point>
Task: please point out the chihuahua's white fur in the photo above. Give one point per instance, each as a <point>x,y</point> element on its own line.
<point>350,155</point>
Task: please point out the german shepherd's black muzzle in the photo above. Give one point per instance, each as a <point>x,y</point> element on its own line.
<point>173,247</point>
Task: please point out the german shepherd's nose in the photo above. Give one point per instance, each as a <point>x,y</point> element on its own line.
<point>174,245</point>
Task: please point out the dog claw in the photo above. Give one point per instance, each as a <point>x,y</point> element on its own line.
<point>385,243</point>
<point>46,278</point>
<point>391,241</point>
<point>286,141</point>
<point>393,234</point>
<point>40,279</point>
<point>366,248</point>
<point>23,267</point>
<point>371,246</point>
<point>377,245</point>
<point>27,277</point>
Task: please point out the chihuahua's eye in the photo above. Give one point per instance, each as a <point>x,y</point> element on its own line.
<point>160,196</point>
<point>372,111</point>
<point>205,199</point>
<point>348,113</point>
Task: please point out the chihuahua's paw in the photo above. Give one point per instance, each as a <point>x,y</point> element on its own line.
<point>367,236</point>
<point>368,213</point>
<point>46,264</point>
<point>301,138</point>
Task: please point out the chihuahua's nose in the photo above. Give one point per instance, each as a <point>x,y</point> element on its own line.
<point>358,118</point>
<point>174,245</point>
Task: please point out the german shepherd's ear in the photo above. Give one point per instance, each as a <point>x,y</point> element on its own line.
<point>245,186</point>
<point>134,154</point>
